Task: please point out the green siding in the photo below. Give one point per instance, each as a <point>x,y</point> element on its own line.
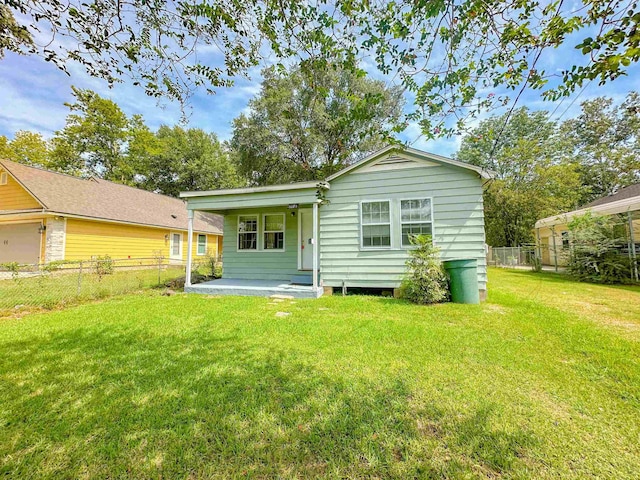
<point>250,200</point>
<point>458,222</point>
<point>260,265</point>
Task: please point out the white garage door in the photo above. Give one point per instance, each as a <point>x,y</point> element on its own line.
<point>19,243</point>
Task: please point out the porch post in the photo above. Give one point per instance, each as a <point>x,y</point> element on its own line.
<point>187,280</point>
<point>315,245</point>
<point>634,258</point>
<point>555,248</point>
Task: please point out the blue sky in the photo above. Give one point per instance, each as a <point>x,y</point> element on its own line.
<point>33,92</point>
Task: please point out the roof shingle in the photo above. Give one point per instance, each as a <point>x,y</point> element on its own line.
<point>622,194</point>
<point>101,199</point>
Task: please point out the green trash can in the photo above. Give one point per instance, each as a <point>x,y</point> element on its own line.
<point>463,280</point>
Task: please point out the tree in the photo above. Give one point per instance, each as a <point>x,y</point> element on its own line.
<point>95,136</point>
<point>605,142</point>
<point>534,177</point>
<point>190,159</point>
<point>13,36</point>
<point>304,126</point>
<point>26,147</point>
<point>447,54</point>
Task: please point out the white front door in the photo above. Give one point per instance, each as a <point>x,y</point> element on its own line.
<point>175,248</point>
<point>306,234</point>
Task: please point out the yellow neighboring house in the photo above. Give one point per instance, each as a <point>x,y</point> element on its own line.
<point>552,233</point>
<point>47,216</point>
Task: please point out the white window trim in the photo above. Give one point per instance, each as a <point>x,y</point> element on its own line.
<point>244,250</point>
<point>4,178</point>
<point>390,223</point>
<point>206,243</point>
<point>171,255</point>
<point>284,232</point>
<point>432,222</point>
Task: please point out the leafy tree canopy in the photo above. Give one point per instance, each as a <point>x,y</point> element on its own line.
<point>26,147</point>
<point>100,140</point>
<point>447,54</point>
<point>605,142</point>
<point>94,138</point>
<point>534,175</point>
<point>307,125</point>
<point>186,159</point>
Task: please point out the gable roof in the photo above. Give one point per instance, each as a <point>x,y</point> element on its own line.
<point>325,185</point>
<point>414,152</point>
<point>622,194</point>
<point>104,200</point>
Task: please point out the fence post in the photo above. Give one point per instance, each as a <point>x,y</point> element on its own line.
<point>159,269</point>
<point>79,279</point>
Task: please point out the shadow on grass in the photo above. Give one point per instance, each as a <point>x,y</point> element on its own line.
<point>97,402</point>
<point>552,277</point>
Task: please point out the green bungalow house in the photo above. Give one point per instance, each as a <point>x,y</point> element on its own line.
<point>351,230</point>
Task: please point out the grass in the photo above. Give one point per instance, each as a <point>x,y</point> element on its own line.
<point>22,295</point>
<point>541,381</point>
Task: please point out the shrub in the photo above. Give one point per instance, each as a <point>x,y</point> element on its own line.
<point>425,281</point>
<point>536,263</point>
<point>594,254</point>
<point>104,265</point>
<point>13,267</point>
<point>213,265</point>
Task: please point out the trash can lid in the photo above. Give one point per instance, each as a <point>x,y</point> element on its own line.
<point>460,263</point>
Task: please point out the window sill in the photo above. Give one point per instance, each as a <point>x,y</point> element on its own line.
<point>263,250</point>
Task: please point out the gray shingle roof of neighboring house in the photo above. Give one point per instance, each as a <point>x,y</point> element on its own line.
<point>104,200</point>
<point>622,194</point>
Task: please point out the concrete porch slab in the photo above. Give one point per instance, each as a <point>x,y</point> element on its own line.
<point>254,288</point>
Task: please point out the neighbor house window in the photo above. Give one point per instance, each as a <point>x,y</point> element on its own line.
<point>202,245</point>
<point>3,178</point>
<point>415,219</point>
<point>274,231</point>
<point>176,245</point>
<point>247,232</point>
<point>565,240</point>
<point>376,224</point>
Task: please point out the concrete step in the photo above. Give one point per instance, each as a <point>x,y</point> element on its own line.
<point>302,279</point>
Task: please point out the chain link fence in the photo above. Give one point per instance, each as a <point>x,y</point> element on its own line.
<point>26,288</point>
<point>548,258</point>
<point>528,256</point>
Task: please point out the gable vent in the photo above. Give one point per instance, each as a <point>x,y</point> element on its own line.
<point>395,160</point>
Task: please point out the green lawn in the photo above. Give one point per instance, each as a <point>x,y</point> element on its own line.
<point>541,381</point>
<point>21,295</point>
